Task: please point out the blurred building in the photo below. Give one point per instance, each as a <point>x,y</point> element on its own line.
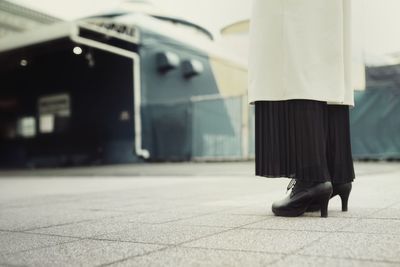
<point>15,18</point>
<point>375,120</point>
<point>118,88</point>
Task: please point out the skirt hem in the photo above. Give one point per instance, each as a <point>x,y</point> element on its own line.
<point>301,139</point>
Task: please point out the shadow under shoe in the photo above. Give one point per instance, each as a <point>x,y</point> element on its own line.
<point>341,190</point>
<point>303,194</point>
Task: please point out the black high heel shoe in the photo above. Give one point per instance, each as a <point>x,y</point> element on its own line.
<point>341,190</point>
<point>302,196</point>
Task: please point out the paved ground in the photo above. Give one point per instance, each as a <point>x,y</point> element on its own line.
<point>198,214</point>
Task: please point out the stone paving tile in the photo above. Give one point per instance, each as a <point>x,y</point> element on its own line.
<point>303,224</point>
<point>381,247</point>
<point>374,202</point>
<point>137,208</point>
<point>29,219</point>
<point>81,253</point>
<point>134,205</point>
<point>264,209</point>
<point>221,219</point>
<point>273,241</point>
<point>375,226</point>
<point>117,206</point>
<point>352,213</point>
<point>168,234</point>
<point>41,199</point>
<point>392,212</point>
<point>310,261</point>
<point>163,216</point>
<point>238,199</point>
<point>88,229</point>
<point>207,207</point>
<point>364,195</point>
<point>256,210</point>
<point>164,210</point>
<point>11,242</point>
<point>184,257</point>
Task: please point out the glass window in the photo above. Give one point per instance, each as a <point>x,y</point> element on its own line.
<point>26,127</point>
<point>53,110</point>
<point>46,123</point>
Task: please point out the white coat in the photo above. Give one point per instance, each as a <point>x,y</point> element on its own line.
<point>300,49</point>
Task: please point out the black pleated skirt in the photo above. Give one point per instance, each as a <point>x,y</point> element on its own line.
<point>307,140</point>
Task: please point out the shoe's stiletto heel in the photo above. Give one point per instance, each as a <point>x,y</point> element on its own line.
<point>343,190</point>
<point>345,199</point>
<point>324,208</point>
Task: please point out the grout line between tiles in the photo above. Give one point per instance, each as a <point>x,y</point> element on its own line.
<point>324,236</point>
<point>177,245</point>
<point>349,258</point>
